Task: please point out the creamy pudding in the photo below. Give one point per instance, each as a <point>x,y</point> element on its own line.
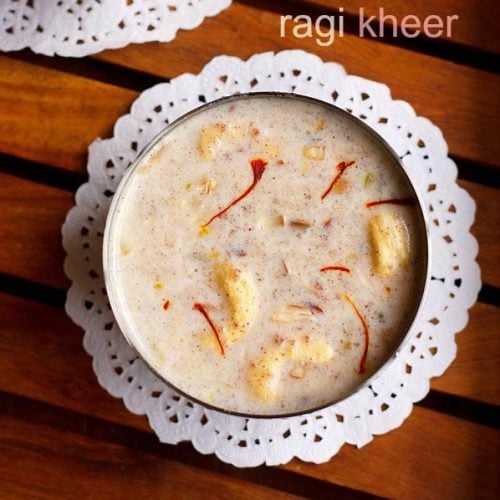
<point>266,256</point>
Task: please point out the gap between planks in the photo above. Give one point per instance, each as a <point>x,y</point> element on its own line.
<point>42,414</point>
<point>416,78</point>
<point>63,378</point>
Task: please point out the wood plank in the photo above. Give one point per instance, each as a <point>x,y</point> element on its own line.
<point>43,358</point>
<point>461,100</point>
<point>28,329</point>
<point>432,456</point>
<point>38,461</point>
<point>51,117</point>
<point>486,229</point>
<point>31,216</point>
<point>474,27</point>
<point>42,353</point>
<point>474,373</point>
<point>466,113</point>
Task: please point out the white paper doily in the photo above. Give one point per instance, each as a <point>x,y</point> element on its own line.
<point>78,28</point>
<point>377,409</point>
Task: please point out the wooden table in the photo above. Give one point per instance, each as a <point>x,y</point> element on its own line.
<point>61,435</point>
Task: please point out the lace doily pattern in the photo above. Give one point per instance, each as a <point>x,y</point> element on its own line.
<point>78,28</point>
<point>377,409</point>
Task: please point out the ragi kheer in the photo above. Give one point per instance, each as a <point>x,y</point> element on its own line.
<point>267,256</point>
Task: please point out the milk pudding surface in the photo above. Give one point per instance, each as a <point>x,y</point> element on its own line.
<point>267,256</point>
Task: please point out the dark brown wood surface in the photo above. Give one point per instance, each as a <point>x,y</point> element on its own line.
<point>62,435</point>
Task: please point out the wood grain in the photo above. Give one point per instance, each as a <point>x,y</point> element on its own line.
<point>42,353</point>
<point>65,376</point>
<point>467,114</point>
<point>31,216</point>
<point>430,456</point>
<point>473,28</point>
<point>462,101</point>
<point>474,373</point>
<point>51,117</point>
<point>61,464</point>
<point>486,229</point>
<point>43,358</point>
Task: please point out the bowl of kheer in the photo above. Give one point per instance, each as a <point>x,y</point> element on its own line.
<point>266,255</point>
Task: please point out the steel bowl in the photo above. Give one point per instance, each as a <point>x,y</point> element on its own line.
<point>109,275</point>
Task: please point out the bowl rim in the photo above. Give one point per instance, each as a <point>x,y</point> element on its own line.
<point>111,290</point>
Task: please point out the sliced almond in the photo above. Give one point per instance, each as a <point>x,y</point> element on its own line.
<point>298,372</point>
<point>292,313</point>
<point>285,267</point>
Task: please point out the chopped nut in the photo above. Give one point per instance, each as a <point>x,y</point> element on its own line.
<point>271,150</point>
<point>208,186</point>
<point>285,265</point>
<point>282,220</point>
<point>214,255</point>
<point>298,372</point>
<point>315,309</point>
<point>210,136</point>
<point>278,339</point>
<point>124,249</point>
<point>292,313</point>
<point>300,224</point>
<point>320,125</point>
<point>203,231</point>
<point>368,179</point>
<point>316,152</point>
<point>299,309</point>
